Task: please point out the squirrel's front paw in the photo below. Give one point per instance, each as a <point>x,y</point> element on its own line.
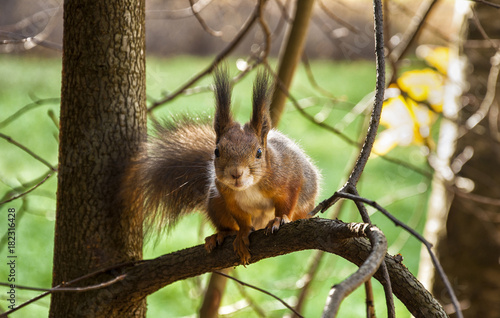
<point>216,239</point>
<point>241,244</point>
<point>275,224</point>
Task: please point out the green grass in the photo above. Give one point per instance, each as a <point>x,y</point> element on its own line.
<point>401,191</point>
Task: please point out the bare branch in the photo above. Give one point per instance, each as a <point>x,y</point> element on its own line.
<point>476,197</point>
<point>370,308</point>
<point>178,14</point>
<point>491,83</point>
<point>30,42</point>
<point>379,97</point>
<point>489,3</point>
<point>228,49</point>
<point>28,191</point>
<point>265,30</point>
<point>26,108</point>
<point>400,6</point>
<point>391,311</point>
<point>413,30</point>
<point>202,22</point>
<point>260,290</point>
<point>338,19</point>
<point>68,289</point>
<point>312,80</point>
<point>27,150</point>
<point>74,281</point>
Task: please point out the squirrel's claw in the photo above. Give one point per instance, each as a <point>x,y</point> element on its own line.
<point>275,224</point>
<point>216,239</point>
<point>210,242</point>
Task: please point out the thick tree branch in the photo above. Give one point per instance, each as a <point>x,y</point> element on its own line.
<point>344,239</point>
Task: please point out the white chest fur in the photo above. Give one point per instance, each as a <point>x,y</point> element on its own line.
<point>261,208</point>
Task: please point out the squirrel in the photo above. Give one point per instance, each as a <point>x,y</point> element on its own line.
<point>243,178</point>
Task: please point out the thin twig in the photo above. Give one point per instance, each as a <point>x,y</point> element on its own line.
<point>370,308</point>
<point>491,4</point>
<point>338,19</point>
<point>251,302</point>
<point>76,280</point>
<point>400,5</point>
<point>411,33</point>
<point>26,108</point>
<point>179,13</point>
<point>491,83</point>
<point>30,42</point>
<point>312,79</point>
<point>475,197</point>
<point>69,289</point>
<point>27,150</point>
<point>284,12</point>
<point>261,290</point>
<point>391,311</point>
<point>228,49</point>
<point>481,30</point>
<point>28,191</point>
<point>279,85</point>
<point>202,22</point>
<point>379,96</point>
<point>265,30</point>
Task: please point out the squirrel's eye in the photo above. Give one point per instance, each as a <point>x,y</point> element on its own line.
<point>259,153</point>
<point>217,152</point>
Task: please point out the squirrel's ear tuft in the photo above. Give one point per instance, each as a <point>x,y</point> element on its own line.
<point>222,88</point>
<point>261,121</point>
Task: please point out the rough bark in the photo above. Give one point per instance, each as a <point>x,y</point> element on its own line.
<point>103,119</point>
<point>470,249</point>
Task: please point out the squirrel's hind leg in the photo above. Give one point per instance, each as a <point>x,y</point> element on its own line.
<point>241,245</point>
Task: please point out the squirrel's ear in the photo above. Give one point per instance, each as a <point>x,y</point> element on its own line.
<point>222,89</point>
<point>261,121</point>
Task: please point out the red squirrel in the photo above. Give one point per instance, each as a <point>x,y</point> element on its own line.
<point>243,178</point>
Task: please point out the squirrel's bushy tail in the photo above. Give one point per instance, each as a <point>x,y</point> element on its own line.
<point>172,176</point>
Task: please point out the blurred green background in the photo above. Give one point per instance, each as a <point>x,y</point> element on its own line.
<point>33,85</point>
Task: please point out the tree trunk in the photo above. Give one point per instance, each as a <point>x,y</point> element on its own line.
<point>470,249</point>
<point>103,119</point>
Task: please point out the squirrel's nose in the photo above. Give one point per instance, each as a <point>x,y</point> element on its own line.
<point>236,173</point>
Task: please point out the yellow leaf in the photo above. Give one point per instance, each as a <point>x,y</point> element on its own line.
<point>400,127</point>
<point>406,122</point>
<point>423,85</point>
<point>435,56</point>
